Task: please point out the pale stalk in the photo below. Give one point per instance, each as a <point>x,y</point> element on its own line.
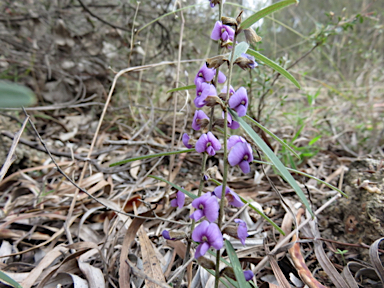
<point>221,211</point>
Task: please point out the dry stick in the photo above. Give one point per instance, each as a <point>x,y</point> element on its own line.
<point>172,159</point>
<point>90,195</point>
<point>286,239</point>
<point>145,276</point>
<point>11,154</point>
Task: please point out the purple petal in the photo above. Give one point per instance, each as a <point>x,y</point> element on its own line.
<point>216,32</point>
<point>174,202</point>
<point>205,90</point>
<point>239,101</point>
<point>233,140</point>
<point>214,236</point>
<point>211,209</point>
<point>234,199</point>
<point>214,141</point>
<point>201,144</point>
<point>244,166</point>
<point>211,151</point>
<point>248,275</point>
<point>199,115</point>
<point>206,74</point>
<point>221,78</point>
<point>201,250</point>
<point>180,197</point>
<point>242,230</point>
<point>236,154</point>
<point>199,231</point>
<point>197,215</point>
<point>234,125</point>
<point>231,90</point>
<point>185,141</point>
<point>166,235</point>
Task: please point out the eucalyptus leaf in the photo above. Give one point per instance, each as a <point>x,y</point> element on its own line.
<point>276,162</point>
<point>13,95</point>
<point>266,11</point>
<point>274,66</point>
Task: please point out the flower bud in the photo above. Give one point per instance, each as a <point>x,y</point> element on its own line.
<point>216,62</point>
<point>251,36</point>
<point>228,271</point>
<point>246,62</point>
<point>174,235</point>
<point>212,101</point>
<point>229,21</point>
<point>206,263</point>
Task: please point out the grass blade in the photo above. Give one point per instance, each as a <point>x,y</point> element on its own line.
<point>8,280</point>
<point>274,66</point>
<point>189,194</point>
<point>182,88</point>
<point>309,176</point>
<point>151,156</point>
<point>273,136</point>
<point>266,11</point>
<point>242,283</point>
<point>269,153</point>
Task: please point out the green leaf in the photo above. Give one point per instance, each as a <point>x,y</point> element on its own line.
<point>266,11</point>
<point>240,48</point>
<point>273,136</point>
<point>189,194</point>
<point>13,95</point>
<point>274,66</point>
<point>182,88</point>
<point>276,162</point>
<point>151,156</point>
<point>236,265</point>
<point>8,280</point>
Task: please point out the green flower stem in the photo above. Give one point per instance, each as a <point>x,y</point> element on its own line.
<point>186,258</point>
<point>221,211</point>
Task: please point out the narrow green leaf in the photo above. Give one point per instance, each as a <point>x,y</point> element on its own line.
<point>269,153</point>
<point>274,66</point>
<point>152,156</point>
<point>236,265</point>
<point>8,280</point>
<point>182,88</point>
<point>13,95</point>
<point>261,213</point>
<point>240,48</point>
<point>189,194</point>
<point>273,136</point>
<point>266,11</point>
<point>307,175</point>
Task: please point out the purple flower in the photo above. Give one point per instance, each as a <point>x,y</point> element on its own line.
<point>166,235</point>
<point>214,2</point>
<point>208,143</point>
<point>186,141</point>
<point>233,140</point>
<point>239,101</point>
<point>231,123</point>
<point>222,32</point>
<point>248,275</point>
<point>209,235</point>
<point>231,90</point>
<point>198,119</point>
<point>232,198</point>
<point>179,200</point>
<point>205,74</point>
<point>207,206</point>
<point>242,230</point>
<point>203,90</point>
<point>252,63</point>
<point>241,154</point>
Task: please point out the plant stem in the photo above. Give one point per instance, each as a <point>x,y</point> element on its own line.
<point>221,211</point>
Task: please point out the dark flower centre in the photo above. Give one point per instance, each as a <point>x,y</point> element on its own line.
<point>200,74</point>
<point>245,157</point>
<point>223,30</point>
<point>209,144</point>
<point>199,93</point>
<point>204,238</point>
<point>201,206</point>
<point>242,102</point>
